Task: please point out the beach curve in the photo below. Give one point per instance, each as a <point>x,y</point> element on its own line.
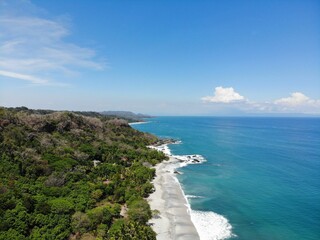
<point>174,219</point>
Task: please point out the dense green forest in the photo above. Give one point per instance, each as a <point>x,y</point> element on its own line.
<point>129,116</point>
<point>69,176</point>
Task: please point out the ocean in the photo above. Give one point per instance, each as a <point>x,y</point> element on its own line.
<point>261,178</point>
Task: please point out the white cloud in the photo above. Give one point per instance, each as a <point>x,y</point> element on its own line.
<point>296,99</point>
<point>31,79</point>
<point>224,95</point>
<point>297,102</point>
<point>34,48</point>
<point>24,77</point>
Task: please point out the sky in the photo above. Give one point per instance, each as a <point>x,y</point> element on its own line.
<point>232,57</point>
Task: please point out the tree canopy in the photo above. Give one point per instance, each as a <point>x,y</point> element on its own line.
<point>50,187</point>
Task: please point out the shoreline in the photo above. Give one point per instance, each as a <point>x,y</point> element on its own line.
<point>136,123</point>
<point>174,220</point>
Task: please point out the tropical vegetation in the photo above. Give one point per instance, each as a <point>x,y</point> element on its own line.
<point>66,175</point>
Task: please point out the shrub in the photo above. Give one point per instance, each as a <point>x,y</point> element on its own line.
<point>80,222</point>
<point>139,211</point>
<point>61,205</point>
<point>100,215</point>
<point>129,230</point>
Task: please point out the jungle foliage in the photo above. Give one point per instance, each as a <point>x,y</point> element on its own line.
<point>68,176</point>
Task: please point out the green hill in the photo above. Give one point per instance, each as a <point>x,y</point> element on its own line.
<point>67,176</point>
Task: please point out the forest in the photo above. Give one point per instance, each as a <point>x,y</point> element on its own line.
<point>66,175</point>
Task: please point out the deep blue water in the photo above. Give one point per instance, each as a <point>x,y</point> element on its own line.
<point>262,174</point>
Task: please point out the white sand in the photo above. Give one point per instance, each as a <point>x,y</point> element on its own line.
<point>174,221</point>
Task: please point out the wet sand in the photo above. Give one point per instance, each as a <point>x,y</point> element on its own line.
<point>174,221</point>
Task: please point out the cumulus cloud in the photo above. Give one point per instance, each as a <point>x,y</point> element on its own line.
<point>224,95</point>
<point>34,49</point>
<point>296,99</point>
<point>297,102</point>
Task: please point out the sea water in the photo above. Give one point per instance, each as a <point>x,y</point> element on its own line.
<point>260,180</point>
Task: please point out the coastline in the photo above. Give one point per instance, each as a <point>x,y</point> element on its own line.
<point>174,218</point>
<point>136,123</point>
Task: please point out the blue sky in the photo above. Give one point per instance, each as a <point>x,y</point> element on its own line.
<point>162,57</point>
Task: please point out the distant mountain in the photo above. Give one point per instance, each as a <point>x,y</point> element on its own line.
<point>130,116</point>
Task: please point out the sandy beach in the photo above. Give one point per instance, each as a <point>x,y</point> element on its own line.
<point>174,221</point>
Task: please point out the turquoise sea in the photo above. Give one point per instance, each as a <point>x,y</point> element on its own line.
<point>262,175</point>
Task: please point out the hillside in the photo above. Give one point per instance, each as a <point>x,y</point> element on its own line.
<point>68,176</point>
<point>132,117</point>
<point>129,116</point>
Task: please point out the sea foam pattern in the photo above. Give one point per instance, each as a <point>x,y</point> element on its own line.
<point>209,225</point>
<point>162,148</point>
<point>193,196</point>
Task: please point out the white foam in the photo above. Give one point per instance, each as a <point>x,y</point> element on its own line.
<point>136,123</point>
<point>211,226</point>
<point>162,148</point>
<point>176,142</point>
<point>193,196</point>
<point>189,159</point>
<point>183,160</point>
